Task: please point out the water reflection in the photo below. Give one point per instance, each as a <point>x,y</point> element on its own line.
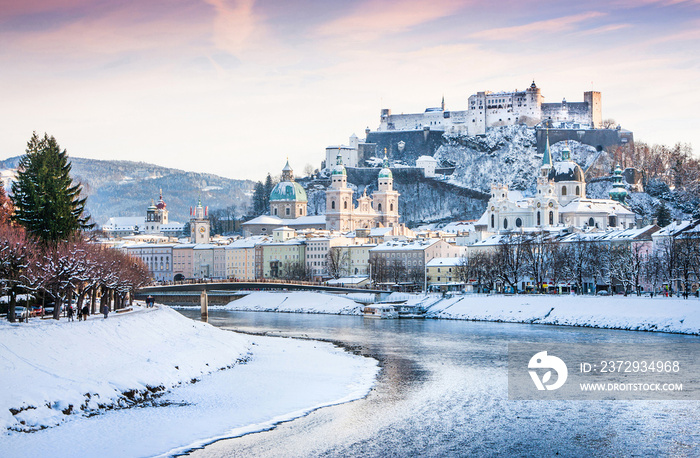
<point>443,392</point>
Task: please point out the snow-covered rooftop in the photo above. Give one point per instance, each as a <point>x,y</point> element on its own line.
<point>437,262</point>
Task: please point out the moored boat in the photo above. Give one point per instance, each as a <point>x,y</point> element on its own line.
<point>380,311</point>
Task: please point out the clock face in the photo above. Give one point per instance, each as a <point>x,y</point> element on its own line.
<point>202,229</point>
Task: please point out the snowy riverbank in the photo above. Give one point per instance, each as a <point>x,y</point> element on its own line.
<point>99,365</point>
<point>629,313</point>
<point>294,302</point>
<point>615,312</point>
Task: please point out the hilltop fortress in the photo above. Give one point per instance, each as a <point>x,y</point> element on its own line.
<point>407,137</point>
<point>494,109</point>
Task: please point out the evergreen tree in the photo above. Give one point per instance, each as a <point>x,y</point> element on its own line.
<point>662,215</point>
<point>259,200</point>
<point>47,202</point>
<point>269,185</point>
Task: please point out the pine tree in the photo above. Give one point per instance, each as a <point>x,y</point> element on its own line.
<point>662,215</point>
<point>47,202</point>
<point>269,186</point>
<point>259,199</point>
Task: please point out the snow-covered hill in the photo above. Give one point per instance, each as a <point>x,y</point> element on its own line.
<point>125,188</point>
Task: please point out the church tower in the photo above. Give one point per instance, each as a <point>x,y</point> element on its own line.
<point>385,200</point>
<point>546,201</point>
<point>339,206</point>
<point>156,215</point>
<point>199,224</point>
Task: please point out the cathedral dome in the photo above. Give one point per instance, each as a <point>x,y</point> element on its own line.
<point>339,170</point>
<point>288,191</point>
<point>566,171</point>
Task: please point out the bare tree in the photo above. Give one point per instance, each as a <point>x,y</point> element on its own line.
<point>510,260</point>
<point>337,262</point>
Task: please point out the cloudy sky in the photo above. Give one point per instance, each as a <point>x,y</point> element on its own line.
<point>234,87</point>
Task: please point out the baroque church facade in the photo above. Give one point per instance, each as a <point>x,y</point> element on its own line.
<point>560,201</point>
<point>380,210</point>
<point>288,205</point>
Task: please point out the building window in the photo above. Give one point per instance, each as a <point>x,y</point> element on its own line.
<point>379,207</point>
<point>493,224</point>
<point>563,190</point>
<point>391,207</point>
<point>539,219</point>
<point>505,223</point>
<point>345,205</point>
<point>551,218</point>
<point>591,222</point>
<point>332,204</point>
<point>518,222</point>
<point>578,191</point>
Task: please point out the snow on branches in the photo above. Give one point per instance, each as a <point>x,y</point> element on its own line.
<point>66,270</point>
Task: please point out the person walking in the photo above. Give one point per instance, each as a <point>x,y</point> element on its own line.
<point>86,310</point>
<point>105,311</point>
<point>70,312</point>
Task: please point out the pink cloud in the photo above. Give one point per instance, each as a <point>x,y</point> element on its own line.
<point>372,18</point>
<point>128,28</point>
<point>10,9</point>
<point>638,3</point>
<point>605,29</point>
<point>234,25</point>
<point>521,32</point>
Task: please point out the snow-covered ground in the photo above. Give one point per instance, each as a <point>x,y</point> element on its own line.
<point>99,365</point>
<point>294,302</point>
<point>614,312</point>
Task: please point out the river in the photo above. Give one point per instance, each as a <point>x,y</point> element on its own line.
<point>443,391</point>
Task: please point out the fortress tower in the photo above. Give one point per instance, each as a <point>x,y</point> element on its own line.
<point>595,106</point>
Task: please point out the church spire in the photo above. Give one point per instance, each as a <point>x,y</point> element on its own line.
<point>546,158</point>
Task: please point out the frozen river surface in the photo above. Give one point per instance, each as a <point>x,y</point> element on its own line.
<point>443,391</point>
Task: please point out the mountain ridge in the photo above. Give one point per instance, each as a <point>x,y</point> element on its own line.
<point>125,188</point>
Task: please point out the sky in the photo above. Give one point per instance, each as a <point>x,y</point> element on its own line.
<point>235,87</point>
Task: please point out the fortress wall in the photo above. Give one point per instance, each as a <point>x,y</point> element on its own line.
<point>418,143</point>
<point>598,138</point>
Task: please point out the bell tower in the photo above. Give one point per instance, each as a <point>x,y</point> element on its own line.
<point>385,200</point>
<point>199,224</point>
<point>339,206</point>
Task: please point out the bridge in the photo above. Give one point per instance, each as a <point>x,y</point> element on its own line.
<point>223,292</point>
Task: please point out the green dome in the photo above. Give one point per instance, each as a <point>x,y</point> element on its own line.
<point>288,191</point>
<point>339,170</point>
